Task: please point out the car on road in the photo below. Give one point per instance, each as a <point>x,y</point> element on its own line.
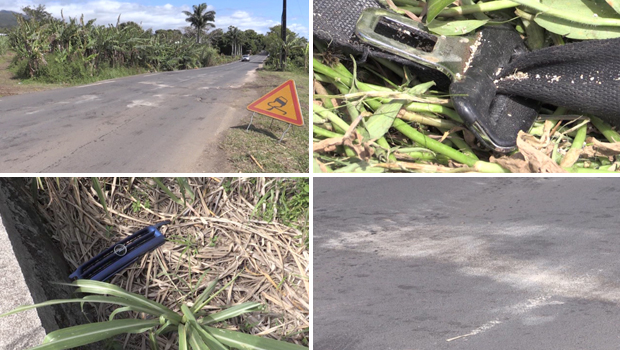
<point>245,58</point>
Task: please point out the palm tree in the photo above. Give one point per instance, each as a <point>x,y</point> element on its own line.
<point>235,37</point>
<point>200,19</point>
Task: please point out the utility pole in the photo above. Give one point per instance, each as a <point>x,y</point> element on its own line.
<point>283,53</point>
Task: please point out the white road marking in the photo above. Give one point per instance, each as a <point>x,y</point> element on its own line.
<point>161,86</point>
<point>86,98</point>
<point>137,103</point>
<point>95,84</point>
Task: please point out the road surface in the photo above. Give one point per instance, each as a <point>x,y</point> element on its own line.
<point>466,263</point>
<point>160,122</point>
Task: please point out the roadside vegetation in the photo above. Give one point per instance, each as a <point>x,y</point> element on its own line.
<point>377,117</point>
<point>76,50</point>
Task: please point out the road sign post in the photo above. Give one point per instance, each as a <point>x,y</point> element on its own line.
<point>251,118</point>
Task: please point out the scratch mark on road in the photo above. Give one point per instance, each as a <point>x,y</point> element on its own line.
<point>483,328</point>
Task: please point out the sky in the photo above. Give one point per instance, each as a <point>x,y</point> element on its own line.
<point>259,15</point>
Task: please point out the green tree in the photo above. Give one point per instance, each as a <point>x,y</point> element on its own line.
<point>235,36</point>
<point>294,46</point>
<point>38,14</point>
<point>215,36</point>
<point>199,19</point>
<point>253,41</point>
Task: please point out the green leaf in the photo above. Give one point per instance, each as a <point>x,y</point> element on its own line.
<point>244,341</point>
<point>422,88</point>
<point>211,342</point>
<point>382,120</point>
<point>96,287</point>
<point>434,7</point>
<point>153,340</point>
<point>585,9</point>
<point>119,310</point>
<point>182,337</point>
<point>167,191</point>
<point>90,298</point>
<point>455,27</point>
<point>100,194</point>
<point>71,337</point>
<point>316,168</point>
<point>615,4</point>
<point>231,312</point>
<point>203,296</point>
<point>195,341</point>
<point>186,188</point>
<point>204,303</point>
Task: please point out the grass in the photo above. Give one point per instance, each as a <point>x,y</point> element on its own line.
<point>287,202</point>
<point>220,231</point>
<point>246,150</point>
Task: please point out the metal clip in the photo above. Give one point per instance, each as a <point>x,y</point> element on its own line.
<point>119,256</point>
<point>409,39</point>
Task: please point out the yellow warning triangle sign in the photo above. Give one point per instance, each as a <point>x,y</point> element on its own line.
<point>280,103</point>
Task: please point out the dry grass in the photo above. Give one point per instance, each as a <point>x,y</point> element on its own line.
<point>218,235</point>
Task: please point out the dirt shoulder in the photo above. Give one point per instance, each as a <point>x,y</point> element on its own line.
<point>10,85</point>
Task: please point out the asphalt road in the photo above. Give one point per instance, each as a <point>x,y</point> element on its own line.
<point>466,263</point>
<point>159,122</point>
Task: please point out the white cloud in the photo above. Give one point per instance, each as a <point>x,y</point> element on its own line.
<point>244,20</point>
<point>157,17</point>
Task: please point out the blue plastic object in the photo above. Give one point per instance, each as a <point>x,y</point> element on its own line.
<point>118,257</point>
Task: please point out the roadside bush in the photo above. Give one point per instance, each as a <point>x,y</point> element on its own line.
<point>208,56</point>
<point>53,50</point>
<point>4,45</point>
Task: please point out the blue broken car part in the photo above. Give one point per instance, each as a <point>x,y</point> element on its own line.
<point>122,254</point>
<point>494,81</point>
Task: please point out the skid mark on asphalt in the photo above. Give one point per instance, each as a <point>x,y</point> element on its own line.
<point>472,253</point>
